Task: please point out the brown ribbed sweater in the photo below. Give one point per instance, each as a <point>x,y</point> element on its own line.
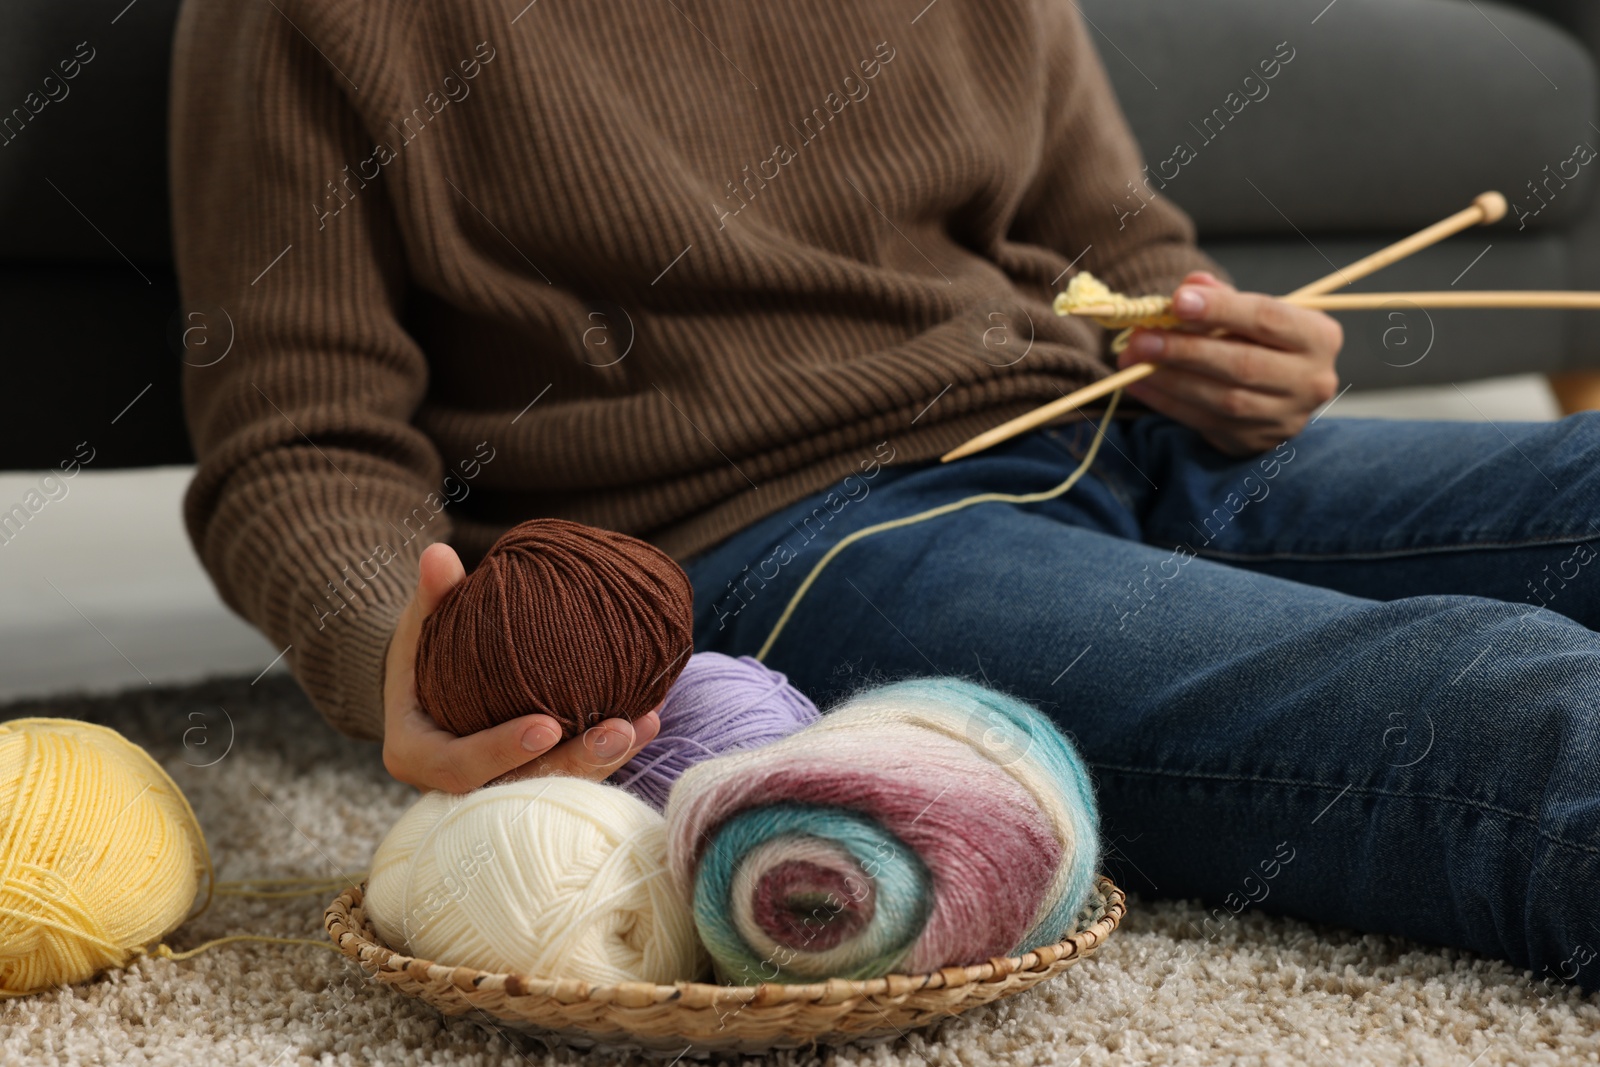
<point>663,267</point>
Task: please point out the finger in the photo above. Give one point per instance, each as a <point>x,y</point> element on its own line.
<point>1224,435</point>
<point>1175,407</point>
<point>574,759</point>
<point>399,679</point>
<point>1231,436</point>
<point>1231,361</point>
<point>1307,382</point>
<point>460,764</point>
<point>399,662</point>
<point>1205,277</point>
<point>441,571</point>
<point>606,745</point>
<point>1261,318</point>
<point>593,754</point>
<point>1224,399</point>
<point>646,728</point>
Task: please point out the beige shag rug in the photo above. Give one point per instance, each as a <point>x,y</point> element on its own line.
<point>281,795</point>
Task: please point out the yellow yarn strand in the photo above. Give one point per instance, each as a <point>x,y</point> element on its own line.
<point>165,952</point>
<point>304,887</point>
<point>943,509</point>
<point>241,888</point>
<point>237,886</point>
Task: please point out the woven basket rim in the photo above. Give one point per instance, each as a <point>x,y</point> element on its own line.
<point>344,931</point>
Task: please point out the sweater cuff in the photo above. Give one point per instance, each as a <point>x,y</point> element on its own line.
<point>332,594</point>
<point>341,628</point>
<point>344,672</point>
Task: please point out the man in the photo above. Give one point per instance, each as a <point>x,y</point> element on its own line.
<point>730,277</point>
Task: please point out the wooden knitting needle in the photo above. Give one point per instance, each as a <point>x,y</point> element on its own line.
<point>1451,298</point>
<point>1487,208</point>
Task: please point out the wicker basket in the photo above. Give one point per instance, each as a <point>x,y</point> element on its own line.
<point>697,1017</point>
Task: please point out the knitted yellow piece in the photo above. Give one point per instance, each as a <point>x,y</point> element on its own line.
<point>1087,291</point>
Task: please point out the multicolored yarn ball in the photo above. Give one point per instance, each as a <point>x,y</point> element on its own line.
<point>560,618</point>
<point>718,704</point>
<point>920,825</point>
<point>100,854</point>
<point>553,877</point>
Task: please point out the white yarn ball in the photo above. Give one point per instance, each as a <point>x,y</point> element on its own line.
<point>553,877</point>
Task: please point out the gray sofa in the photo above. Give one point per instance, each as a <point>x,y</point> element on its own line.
<point>1390,114</point>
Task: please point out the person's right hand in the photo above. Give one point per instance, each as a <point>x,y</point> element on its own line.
<point>419,752</point>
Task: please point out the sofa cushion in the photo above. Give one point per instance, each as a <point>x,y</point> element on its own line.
<point>1379,114</point>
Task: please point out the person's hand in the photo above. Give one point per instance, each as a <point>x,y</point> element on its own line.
<point>417,751</point>
<point>1252,387</point>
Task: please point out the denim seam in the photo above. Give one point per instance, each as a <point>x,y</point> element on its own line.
<point>1121,490</point>
<point>1362,790</point>
<point>1398,553</point>
<point>1058,437</point>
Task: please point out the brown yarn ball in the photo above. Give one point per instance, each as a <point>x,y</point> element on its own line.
<point>575,622</point>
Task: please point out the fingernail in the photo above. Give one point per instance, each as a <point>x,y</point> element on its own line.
<point>610,743</point>
<point>1188,303</point>
<point>647,726</point>
<point>1147,344</point>
<point>540,737</point>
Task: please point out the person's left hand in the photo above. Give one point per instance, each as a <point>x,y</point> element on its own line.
<point>1249,389</point>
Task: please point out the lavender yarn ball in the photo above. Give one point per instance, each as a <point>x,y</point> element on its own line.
<point>718,704</point>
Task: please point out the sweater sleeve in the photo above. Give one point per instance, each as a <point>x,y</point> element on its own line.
<point>1086,199</point>
<point>314,494</point>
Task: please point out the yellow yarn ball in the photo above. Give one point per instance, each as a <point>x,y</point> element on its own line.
<point>553,877</point>
<point>100,854</point>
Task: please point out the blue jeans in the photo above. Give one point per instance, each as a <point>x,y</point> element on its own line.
<point>1354,680</point>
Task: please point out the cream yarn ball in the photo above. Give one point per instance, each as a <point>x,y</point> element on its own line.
<point>553,877</point>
